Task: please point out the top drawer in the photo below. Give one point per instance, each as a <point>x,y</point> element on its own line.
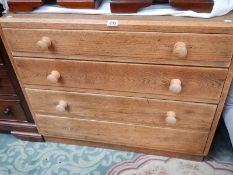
<point>164,48</point>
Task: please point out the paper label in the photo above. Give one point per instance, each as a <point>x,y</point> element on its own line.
<point>112,23</point>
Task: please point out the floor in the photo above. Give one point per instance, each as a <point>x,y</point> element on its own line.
<point>27,158</point>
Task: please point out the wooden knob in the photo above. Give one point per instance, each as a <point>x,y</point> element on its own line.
<point>61,107</point>
<point>44,43</point>
<point>171,118</point>
<point>175,86</point>
<point>180,50</point>
<point>54,76</point>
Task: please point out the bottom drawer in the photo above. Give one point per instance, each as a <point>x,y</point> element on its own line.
<point>164,139</point>
<point>11,111</point>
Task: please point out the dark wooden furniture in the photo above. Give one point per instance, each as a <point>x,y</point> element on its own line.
<point>24,5</point>
<point>132,6</point>
<point>29,5</point>
<point>128,6</point>
<point>79,3</point>
<point>15,117</point>
<point>117,6</point>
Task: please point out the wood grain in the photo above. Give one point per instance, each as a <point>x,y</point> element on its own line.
<point>219,109</point>
<point>165,24</point>
<point>14,80</point>
<point>146,46</point>
<point>123,134</point>
<point>12,124</point>
<point>142,111</point>
<point>180,62</point>
<point>27,136</point>
<point>126,87</point>
<point>124,148</point>
<point>23,5</point>
<point>79,3</point>
<point>128,6</point>
<point>199,84</point>
<point>10,110</point>
<point>18,126</point>
<point>201,6</point>
<point>9,98</point>
<point>6,87</point>
<point>132,6</point>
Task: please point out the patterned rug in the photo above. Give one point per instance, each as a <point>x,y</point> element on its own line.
<point>27,158</point>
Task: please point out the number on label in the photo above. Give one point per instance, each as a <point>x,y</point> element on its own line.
<point>112,23</point>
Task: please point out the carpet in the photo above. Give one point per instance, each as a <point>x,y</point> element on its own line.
<point>27,158</point>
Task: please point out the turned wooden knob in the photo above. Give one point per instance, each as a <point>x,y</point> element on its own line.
<point>44,43</point>
<point>180,50</point>
<point>54,76</point>
<point>61,107</point>
<point>171,118</point>
<point>175,86</point>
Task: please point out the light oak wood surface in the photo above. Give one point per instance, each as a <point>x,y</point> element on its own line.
<point>128,134</point>
<point>147,46</point>
<point>199,84</point>
<point>142,111</point>
<point>174,67</point>
<point>117,93</point>
<point>220,108</point>
<point>166,24</point>
<point>134,148</point>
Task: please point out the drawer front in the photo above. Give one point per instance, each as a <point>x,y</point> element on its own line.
<point>191,142</point>
<point>197,84</point>
<point>148,47</point>
<point>11,111</point>
<point>1,62</point>
<point>149,112</point>
<point>5,83</point>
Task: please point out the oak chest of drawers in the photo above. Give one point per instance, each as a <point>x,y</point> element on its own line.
<point>151,84</point>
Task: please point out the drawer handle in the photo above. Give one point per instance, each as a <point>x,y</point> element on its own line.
<point>175,86</point>
<point>180,50</point>
<point>44,43</point>
<point>54,76</point>
<point>7,111</point>
<point>62,106</point>
<point>171,118</point>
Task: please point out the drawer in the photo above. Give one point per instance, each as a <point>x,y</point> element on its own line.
<point>5,83</point>
<point>11,111</point>
<point>149,112</point>
<point>194,84</point>
<point>1,62</point>
<point>174,140</point>
<point>145,47</point>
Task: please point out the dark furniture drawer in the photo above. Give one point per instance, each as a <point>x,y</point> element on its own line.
<point>6,87</point>
<point>15,117</point>
<point>11,111</point>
